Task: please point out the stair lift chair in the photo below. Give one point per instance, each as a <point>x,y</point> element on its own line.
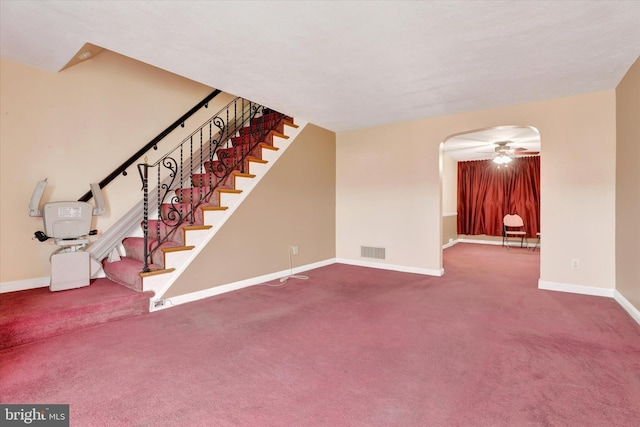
<point>69,225</point>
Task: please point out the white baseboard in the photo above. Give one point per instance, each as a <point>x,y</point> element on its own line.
<point>481,242</point>
<point>382,266</point>
<point>23,285</point>
<point>592,290</point>
<point>206,293</point>
<point>448,245</point>
<point>575,289</point>
<point>511,244</point>
<point>634,312</point>
<point>217,290</point>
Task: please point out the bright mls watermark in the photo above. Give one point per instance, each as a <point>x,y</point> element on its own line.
<point>35,415</point>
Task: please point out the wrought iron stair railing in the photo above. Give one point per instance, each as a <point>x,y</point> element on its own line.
<point>209,152</point>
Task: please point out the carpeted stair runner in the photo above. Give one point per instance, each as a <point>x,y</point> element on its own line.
<point>186,209</point>
<point>33,314</point>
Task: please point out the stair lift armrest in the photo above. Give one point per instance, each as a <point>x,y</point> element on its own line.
<point>98,199</point>
<point>34,204</point>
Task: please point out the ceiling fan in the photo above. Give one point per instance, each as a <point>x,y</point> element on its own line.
<point>503,153</point>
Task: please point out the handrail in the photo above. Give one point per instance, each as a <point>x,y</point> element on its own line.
<point>122,169</point>
<point>209,151</point>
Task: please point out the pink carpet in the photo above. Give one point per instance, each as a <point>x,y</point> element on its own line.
<point>34,314</point>
<point>352,346</point>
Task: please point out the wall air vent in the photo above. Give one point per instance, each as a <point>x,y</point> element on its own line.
<point>369,252</point>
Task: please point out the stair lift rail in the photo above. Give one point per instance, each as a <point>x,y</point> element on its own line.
<point>153,144</point>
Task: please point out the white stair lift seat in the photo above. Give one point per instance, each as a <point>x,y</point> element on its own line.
<point>69,224</point>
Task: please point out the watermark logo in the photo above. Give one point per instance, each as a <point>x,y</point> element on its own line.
<point>34,415</point>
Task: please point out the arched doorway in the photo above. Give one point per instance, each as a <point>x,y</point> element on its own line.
<point>489,148</point>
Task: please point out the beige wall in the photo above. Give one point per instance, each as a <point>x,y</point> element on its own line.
<point>294,204</point>
<point>388,186</point>
<point>449,198</point>
<point>628,186</point>
<point>75,127</point>
<point>449,228</point>
<point>449,184</point>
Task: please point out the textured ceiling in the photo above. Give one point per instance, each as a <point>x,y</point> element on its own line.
<point>350,64</point>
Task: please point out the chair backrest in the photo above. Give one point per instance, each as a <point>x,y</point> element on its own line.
<point>514,220</point>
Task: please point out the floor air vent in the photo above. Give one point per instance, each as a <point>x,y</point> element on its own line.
<point>369,252</point>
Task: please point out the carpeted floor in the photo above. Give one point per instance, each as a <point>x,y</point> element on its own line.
<point>30,315</point>
<point>352,346</point>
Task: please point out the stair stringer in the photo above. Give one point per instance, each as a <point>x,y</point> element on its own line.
<point>199,238</point>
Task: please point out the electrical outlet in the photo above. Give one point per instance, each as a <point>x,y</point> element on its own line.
<point>294,250</point>
<point>158,303</point>
<point>575,263</point>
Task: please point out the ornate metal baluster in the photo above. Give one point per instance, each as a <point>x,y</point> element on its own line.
<point>143,170</point>
<point>229,123</point>
<point>200,198</point>
<point>159,202</point>
<point>188,206</point>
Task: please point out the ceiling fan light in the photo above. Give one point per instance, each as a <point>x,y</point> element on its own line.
<point>502,159</point>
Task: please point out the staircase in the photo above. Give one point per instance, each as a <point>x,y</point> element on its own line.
<point>196,194</point>
<point>232,153</point>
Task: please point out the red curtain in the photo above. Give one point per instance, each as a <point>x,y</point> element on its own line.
<point>487,193</point>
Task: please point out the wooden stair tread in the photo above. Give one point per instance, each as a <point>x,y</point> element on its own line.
<point>256,160</point>
<point>229,191</point>
<point>177,248</point>
<point>268,147</point>
<point>156,272</point>
<point>243,175</point>
<point>293,125</point>
<point>280,135</point>
<point>197,227</point>
<point>214,208</point>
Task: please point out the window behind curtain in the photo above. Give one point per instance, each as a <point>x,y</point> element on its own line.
<point>487,193</point>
